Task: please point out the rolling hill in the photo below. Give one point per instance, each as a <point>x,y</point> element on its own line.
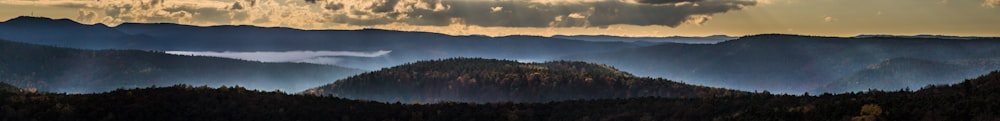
<point>971,100</point>
<point>57,69</point>
<point>489,80</point>
<point>789,63</point>
<point>899,73</point>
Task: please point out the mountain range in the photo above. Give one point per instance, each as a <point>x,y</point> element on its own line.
<point>56,69</point>
<point>970,100</point>
<point>774,62</point>
<point>404,46</point>
<point>796,64</point>
<point>649,41</point>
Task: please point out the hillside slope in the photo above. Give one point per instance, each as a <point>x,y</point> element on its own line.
<point>488,80</point>
<point>787,63</point>
<point>4,87</point>
<point>899,73</point>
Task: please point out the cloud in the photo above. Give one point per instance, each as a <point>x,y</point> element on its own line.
<point>348,14</point>
<point>764,1</point>
<point>698,20</point>
<point>576,16</point>
<point>333,6</point>
<point>664,1</point>
<point>829,19</point>
<point>236,6</point>
<point>496,9</point>
<point>87,16</point>
<point>289,13</point>
<point>118,11</point>
<point>317,57</point>
<point>991,3</point>
<point>669,13</point>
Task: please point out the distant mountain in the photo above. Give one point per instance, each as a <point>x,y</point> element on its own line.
<point>899,73</point>
<point>786,63</point>
<point>75,70</point>
<point>488,80</point>
<point>649,41</point>
<point>405,46</point>
<point>66,33</point>
<point>924,36</point>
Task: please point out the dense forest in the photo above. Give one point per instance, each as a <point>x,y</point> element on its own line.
<point>973,99</point>
<point>58,69</point>
<point>491,80</point>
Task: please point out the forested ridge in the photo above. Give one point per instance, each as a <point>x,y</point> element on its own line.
<point>801,63</point>
<point>973,99</point>
<point>58,69</point>
<point>406,46</point>
<point>491,80</point>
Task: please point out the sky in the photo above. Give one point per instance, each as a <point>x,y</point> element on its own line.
<point>635,18</point>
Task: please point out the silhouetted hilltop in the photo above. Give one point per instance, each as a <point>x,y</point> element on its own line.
<point>66,33</point>
<point>489,80</point>
<point>922,36</point>
<point>649,41</point>
<point>986,85</point>
<point>4,87</point>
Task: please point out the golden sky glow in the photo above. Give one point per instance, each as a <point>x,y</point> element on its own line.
<point>548,17</point>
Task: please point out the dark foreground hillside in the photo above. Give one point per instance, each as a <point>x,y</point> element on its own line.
<point>970,100</point>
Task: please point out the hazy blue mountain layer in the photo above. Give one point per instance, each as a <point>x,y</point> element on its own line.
<point>795,64</point>
<point>57,69</point>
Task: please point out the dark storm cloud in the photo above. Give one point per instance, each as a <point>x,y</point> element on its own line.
<point>333,6</point>
<point>236,6</point>
<point>252,2</point>
<point>151,4</point>
<point>71,5</point>
<point>664,1</point>
<point>311,1</point>
<point>153,13</point>
<point>207,14</point>
<point>536,14</point>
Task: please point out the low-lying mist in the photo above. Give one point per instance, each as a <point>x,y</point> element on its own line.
<point>315,57</point>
